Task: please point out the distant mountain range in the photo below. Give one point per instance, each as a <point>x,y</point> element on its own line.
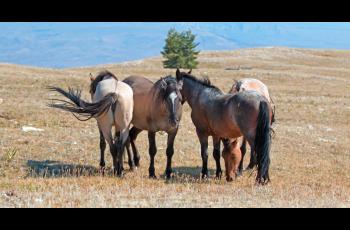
<point>61,45</point>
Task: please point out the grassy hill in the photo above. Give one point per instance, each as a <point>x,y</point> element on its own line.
<point>59,166</point>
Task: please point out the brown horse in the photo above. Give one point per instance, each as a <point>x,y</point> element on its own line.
<point>112,105</point>
<point>234,147</point>
<point>157,108</point>
<point>222,115</point>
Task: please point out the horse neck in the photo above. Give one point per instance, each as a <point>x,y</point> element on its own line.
<point>191,91</point>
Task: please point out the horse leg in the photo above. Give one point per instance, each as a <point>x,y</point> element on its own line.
<point>170,153</point>
<point>243,151</point>
<point>253,160</point>
<point>216,154</point>
<point>120,144</point>
<point>116,138</point>
<point>203,139</point>
<point>237,159</point>
<point>102,148</point>
<point>133,135</point>
<point>130,155</point>
<point>152,153</point>
<point>106,131</point>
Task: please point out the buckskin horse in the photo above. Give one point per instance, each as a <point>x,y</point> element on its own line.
<point>157,108</point>
<point>112,105</point>
<point>221,115</point>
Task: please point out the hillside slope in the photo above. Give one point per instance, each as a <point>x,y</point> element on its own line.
<point>58,167</point>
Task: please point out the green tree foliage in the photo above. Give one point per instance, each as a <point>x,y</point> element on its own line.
<point>179,50</point>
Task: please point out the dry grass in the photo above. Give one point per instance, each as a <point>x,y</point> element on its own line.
<point>58,167</point>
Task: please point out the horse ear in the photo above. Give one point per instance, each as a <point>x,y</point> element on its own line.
<point>178,75</point>
<point>234,87</point>
<point>189,72</point>
<point>92,78</point>
<point>163,84</point>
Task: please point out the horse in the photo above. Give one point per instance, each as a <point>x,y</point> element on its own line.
<point>230,145</point>
<point>257,85</point>
<point>221,116</point>
<point>157,108</point>
<point>112,105</point>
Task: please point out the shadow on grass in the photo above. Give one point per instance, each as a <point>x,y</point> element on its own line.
<point>189,175</point>
<point>57,169</point>
<point>54,169</point>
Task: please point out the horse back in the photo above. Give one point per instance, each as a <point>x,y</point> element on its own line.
<point>142,89</point>
<point>122,111</point>
<point>139,83</point>
<point>245,110</point>
<point>250,84</point>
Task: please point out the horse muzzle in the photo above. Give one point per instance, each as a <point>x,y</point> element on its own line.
<point>174,122</point>
<point>229,178</point>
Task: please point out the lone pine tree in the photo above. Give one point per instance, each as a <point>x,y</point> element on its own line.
<point>179,50</point>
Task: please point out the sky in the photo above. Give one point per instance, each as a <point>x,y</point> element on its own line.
<point>64,45</point>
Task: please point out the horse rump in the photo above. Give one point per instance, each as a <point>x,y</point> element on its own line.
<point>81,108</point>
<point>262,143</point>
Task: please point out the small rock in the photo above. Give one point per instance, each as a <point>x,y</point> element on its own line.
<point>1,100</point>
<point>31,129</point>
<point>38,200</point>
<point>310,127</point>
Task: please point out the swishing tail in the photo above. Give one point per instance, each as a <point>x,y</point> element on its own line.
<point>81,108</point>
<point>262,143</point>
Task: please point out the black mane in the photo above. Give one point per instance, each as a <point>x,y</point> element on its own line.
<point>158,84</point>
<point>99,78</point>
<point>167,79</point>
<point>205,81</point>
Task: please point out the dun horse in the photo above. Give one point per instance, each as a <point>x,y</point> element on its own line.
<point>222,115</point>
<point>235,149</point>
<point>112,105</point>
<point>157,108</point>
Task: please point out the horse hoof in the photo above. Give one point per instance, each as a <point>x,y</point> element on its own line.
<point>153,177</point>
<point>137,163</point>
<point>205,176</point>
<point>218,176</point>
<point>102,171</point>
<point>249,168</point>
<point>133,168</point>
<point>169,176</point>
<point>120,175</point>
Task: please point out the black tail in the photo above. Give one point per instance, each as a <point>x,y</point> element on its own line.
<point>82,108</point>
<point>262,143</point>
